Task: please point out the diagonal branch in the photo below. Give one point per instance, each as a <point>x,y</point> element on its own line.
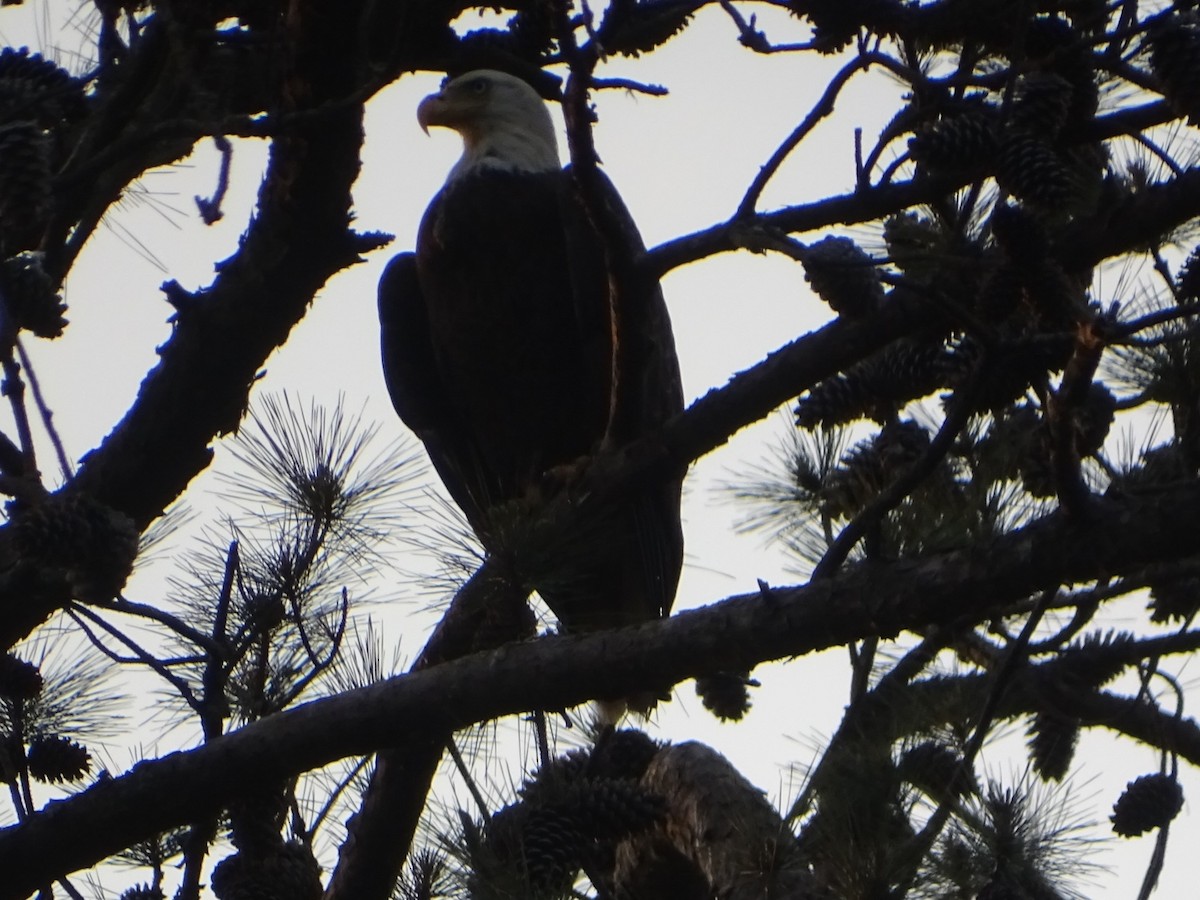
<point>221,338</point>
<point>1118,536</point>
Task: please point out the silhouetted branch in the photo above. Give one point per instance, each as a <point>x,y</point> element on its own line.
<point>419,708</point>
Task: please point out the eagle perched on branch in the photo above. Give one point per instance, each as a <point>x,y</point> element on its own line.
<point>499,353</point>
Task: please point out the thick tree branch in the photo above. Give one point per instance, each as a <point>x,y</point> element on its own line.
<point>222,336</point>
<point>871,599</point>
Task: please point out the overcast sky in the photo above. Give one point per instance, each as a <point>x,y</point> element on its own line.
<point>682,163</point>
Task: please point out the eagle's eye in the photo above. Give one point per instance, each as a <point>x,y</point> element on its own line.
<point>478,86</point>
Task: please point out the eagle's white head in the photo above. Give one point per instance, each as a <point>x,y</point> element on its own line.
<point>503,122</point>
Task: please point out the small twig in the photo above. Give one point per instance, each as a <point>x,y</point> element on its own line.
<point>862,662</point>
<point>860,174</point>
<point>221,617</point>
<point>753,38</point>
<point>1154,867</point>
<point>626,281</point>
<point>1124,29</point>
<point>299,828</point>
<point>956,418</point>
<point>315,538</point>
<point>21,488</point>
<point>906,669</point>
<point>210,209</point>
<point>213,680</point>
<point>320,665</point>
<point>1154,319</point>
<point>1163,270</point>
<point>77,610</point>
<point>543,737</point>
<point>195,848</point>
<point>1008,663</point>
<point>22,793</point>
<point>924,840</point>
<point>337,792</point>
<point>472,787</point>
<point>143,610</point>
<point>627,84</point>
<point>18,803</point>
<point>14,388</point>
<point>1165,157</point>
<point>823,107</point>
<point>886,176</point>
<point>44,411</point>
<point>1091,339</point>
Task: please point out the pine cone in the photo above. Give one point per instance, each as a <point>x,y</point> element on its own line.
<point>1094,419</point>
<point>1020,235</point>
<point>1029,168</point>
<point>12,758</point>
<point>608,809</point>
<point>30,297</point>
<point>633,29</point>
<point>1188,281</point>
<point>1035,466</point>
<point>1040,104</point>
<point>623,753</point>
<point>724,694</point>
<point>35,89</point>
<point>53,760</point>
<point>1052,740</point>
<point>618,754</point>
<point>24,185</point>
<point>19,680</point>
<point>877,386</point>
<point>965,142</point>
<point>552,846</point>
<point>842,398</point>
<point>563,770</point>
<point>532,29</point>
<point>538,847</point>
<point>915,244</point>
<point>937,770</point>
<point>288,873</point>
<point>836,23</point>
<point>1175,58</point>
<point>1092,662</point>
<point>1177,599</point>
<point>142,892</point>
<point>1001,293</point>
<point>871,465</point>
<point>1056,301</point>
<point>1149,802</point>
<point>93,545</point>
<point>842,275</point>
<point>256,818</point>
<point>1055,45</point>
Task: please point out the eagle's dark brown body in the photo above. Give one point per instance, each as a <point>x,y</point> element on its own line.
<point>497,350</point>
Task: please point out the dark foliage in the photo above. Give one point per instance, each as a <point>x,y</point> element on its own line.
<point>1011,276</point>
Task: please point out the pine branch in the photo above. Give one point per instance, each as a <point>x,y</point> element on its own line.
<point>878,598</point>
<point>298,240</point>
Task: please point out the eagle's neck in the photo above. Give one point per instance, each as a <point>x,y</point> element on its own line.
<point>507,147</point>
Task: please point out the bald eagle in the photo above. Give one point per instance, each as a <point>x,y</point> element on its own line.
<point>498,352</point>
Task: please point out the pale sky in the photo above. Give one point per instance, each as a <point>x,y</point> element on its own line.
<point>681,163</point>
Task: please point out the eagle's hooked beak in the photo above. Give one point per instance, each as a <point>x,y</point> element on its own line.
<point>431,111</point>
